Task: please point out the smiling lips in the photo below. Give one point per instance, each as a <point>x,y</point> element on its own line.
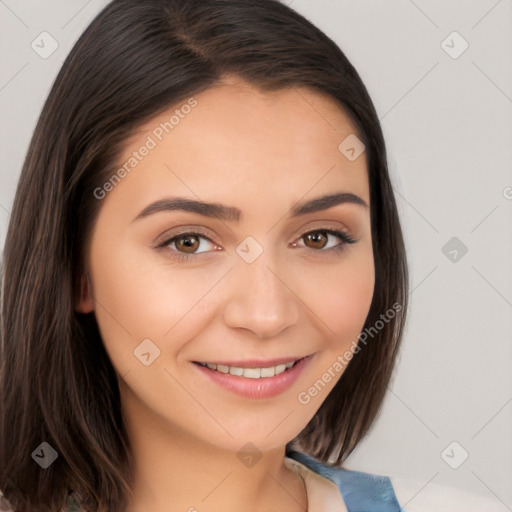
<point>255,379</point>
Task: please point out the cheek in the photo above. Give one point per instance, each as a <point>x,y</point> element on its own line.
<point>138,297</point>
<point>340,296</point>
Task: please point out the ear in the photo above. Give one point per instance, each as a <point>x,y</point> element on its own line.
<point>84,303</point>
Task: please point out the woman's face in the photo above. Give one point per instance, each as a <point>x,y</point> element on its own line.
<point>213,246</point>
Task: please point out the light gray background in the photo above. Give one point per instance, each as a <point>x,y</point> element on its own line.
<point>448,126</point>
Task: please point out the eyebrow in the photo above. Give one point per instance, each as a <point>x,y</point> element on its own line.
<point>232,214</point>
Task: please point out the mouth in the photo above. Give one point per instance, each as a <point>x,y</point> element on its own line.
<point>255,379</point>
<point>251,370</point>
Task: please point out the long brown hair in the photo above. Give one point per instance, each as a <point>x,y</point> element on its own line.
<point>133,61</point>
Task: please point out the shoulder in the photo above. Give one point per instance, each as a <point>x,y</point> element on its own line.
<point>417,496</point>
<point>359,490</point>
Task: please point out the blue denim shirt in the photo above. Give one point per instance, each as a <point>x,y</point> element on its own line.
<point>362,492</point>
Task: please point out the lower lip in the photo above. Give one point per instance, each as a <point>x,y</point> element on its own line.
<point>266,387</point>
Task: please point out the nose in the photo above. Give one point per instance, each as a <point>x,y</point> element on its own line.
<point>260,298</point>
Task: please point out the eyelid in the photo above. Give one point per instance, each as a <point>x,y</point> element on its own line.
<point>166,238</point>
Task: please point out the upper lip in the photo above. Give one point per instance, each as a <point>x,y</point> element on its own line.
<point>256,363</point>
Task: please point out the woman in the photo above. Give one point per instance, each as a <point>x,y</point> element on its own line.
<point>203,232</point>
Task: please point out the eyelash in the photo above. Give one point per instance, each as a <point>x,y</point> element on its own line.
<point>345,237</point>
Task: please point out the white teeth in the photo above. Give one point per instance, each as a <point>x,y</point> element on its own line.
<point>250,373</point>
<point>280,368</point>
<point>268,372</point>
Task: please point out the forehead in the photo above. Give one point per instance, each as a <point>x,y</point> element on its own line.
<point>235,133</point>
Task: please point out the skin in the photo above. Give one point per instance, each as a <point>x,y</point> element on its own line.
<point>260,152</point>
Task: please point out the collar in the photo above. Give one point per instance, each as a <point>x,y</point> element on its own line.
<point>323,494</point>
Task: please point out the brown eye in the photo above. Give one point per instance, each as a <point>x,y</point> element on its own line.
<point>324,240</point>
<point>316,239</point>
<point>187,243</point>
<point>185,246</point>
